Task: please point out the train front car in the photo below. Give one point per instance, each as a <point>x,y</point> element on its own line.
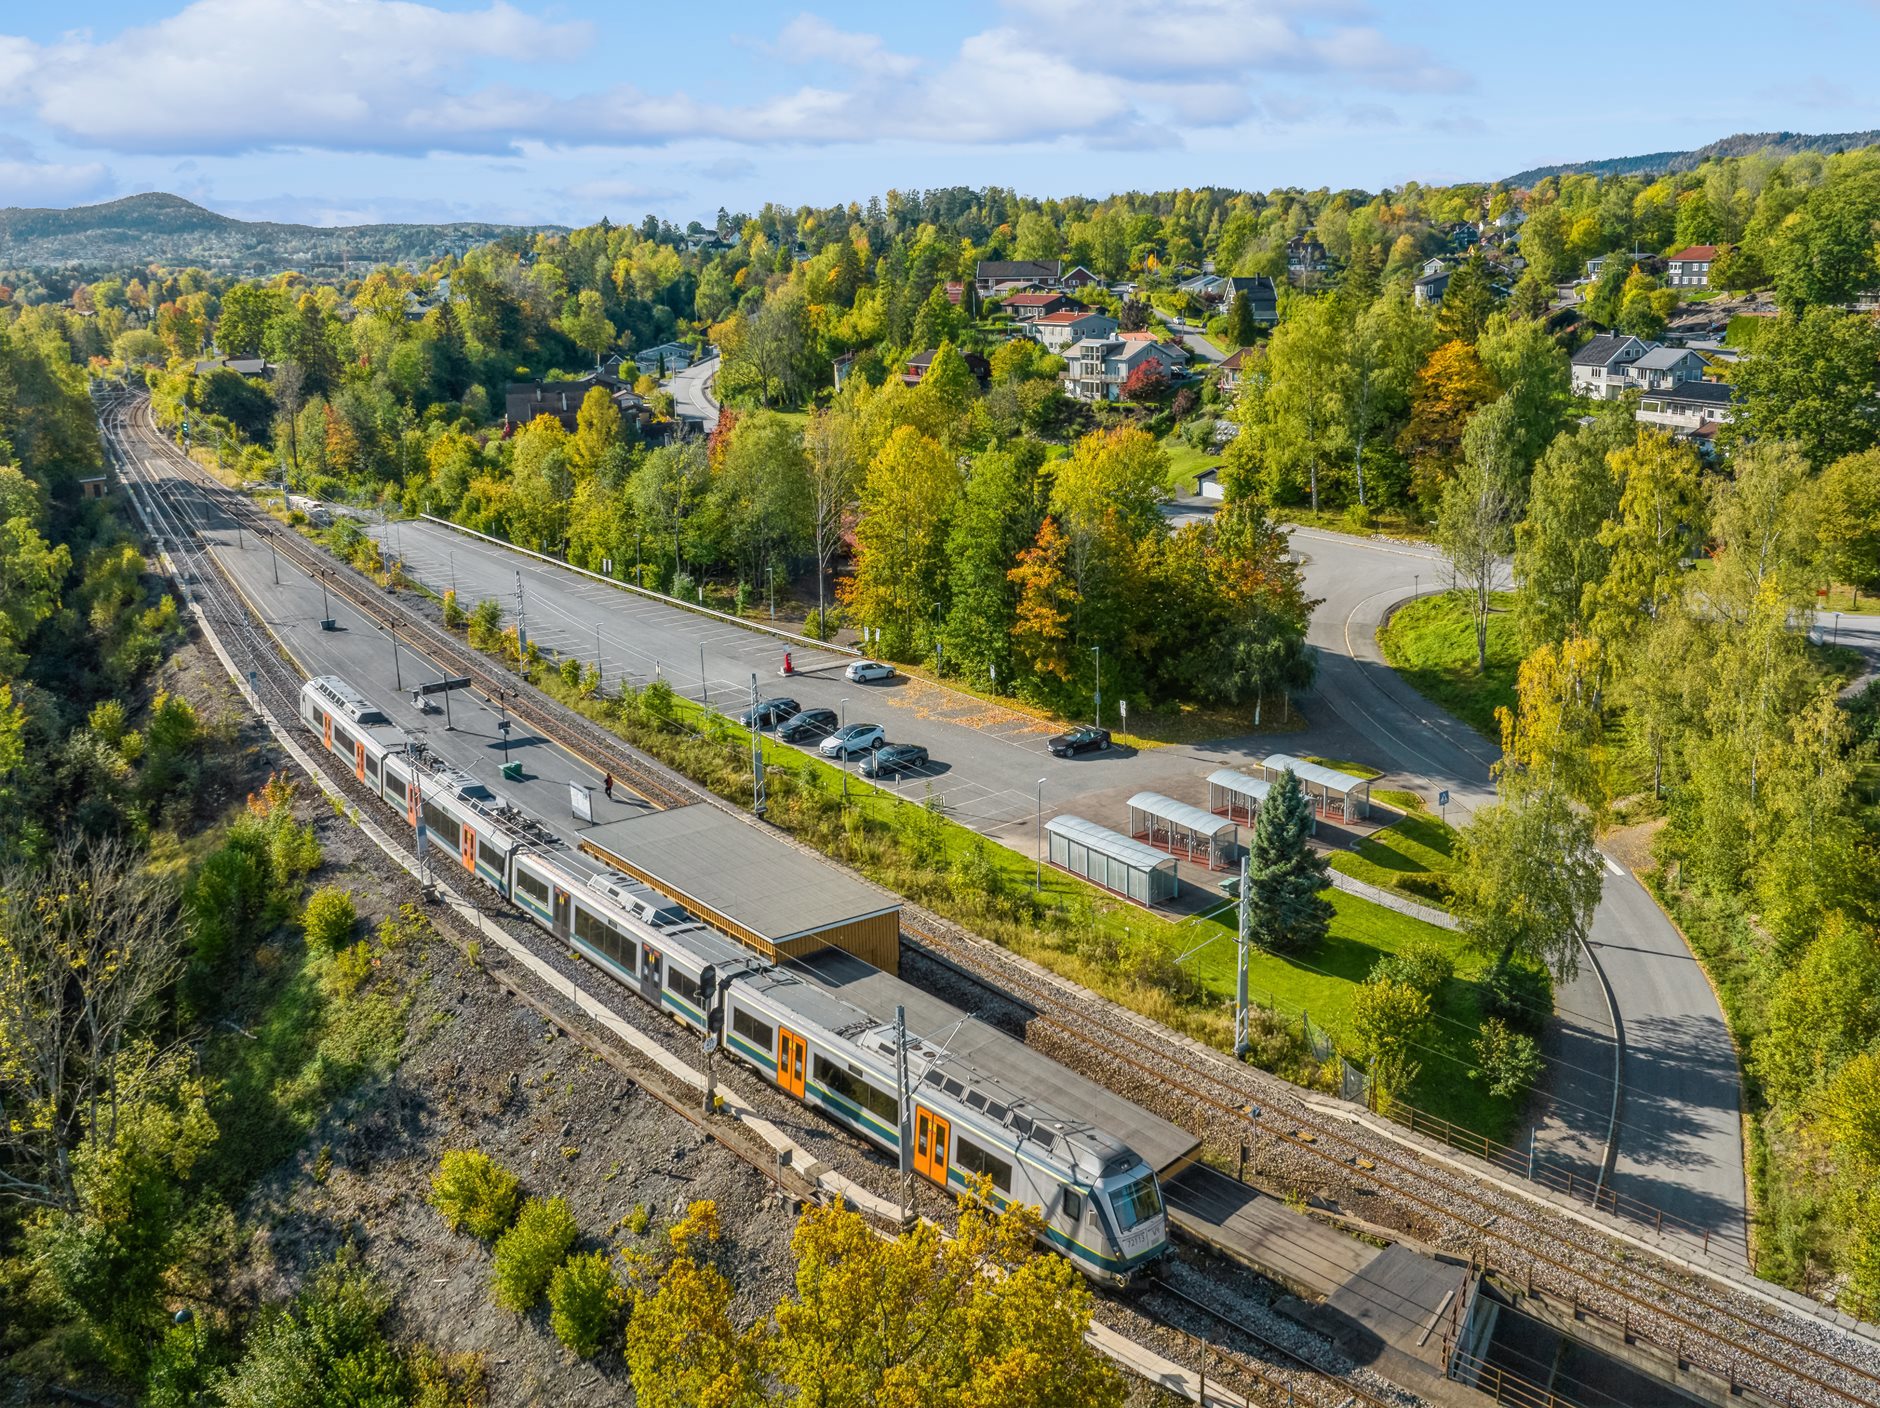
<point>1132,1199</point>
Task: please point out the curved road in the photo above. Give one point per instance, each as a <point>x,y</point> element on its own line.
<point>692,396</point>
<point>1679,1143</point>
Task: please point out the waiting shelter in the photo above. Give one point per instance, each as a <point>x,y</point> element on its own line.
<point>1238,796</point>
<point>1118,863</point>
<point>1328,788</point>
<point>1183,830</point>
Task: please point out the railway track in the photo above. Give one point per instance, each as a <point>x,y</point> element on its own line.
<point>1749,1339</point>
<point>178,526</point>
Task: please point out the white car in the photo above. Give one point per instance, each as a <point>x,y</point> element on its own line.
<point>867,671</point>
<point>856,738</point>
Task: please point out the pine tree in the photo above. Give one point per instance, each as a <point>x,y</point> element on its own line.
<point>1284,875</point>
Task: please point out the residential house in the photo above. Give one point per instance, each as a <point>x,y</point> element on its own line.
<point>1058,331</point>
<point>241,366</point>
<point>1692,408</point>
<point>1690,266</point>
<point>917,366</point>
<point>843,365</point>
<point>955,290</point>
<point>1208,484</point>
<point>1433,267</point>
<point>1205,286</point>
<point>1259,288</point>
<point>1305,258</point>
<point>1602,368</point>
<point>663,360</point>
<point>1664,367</point>
<point>523,401</point>
<point>1429,288</point>
<point>1024,307</point>
<point>1229,369</point>
<point>1096,368</point>
<point>993,275</point>
<point>1076,277</point>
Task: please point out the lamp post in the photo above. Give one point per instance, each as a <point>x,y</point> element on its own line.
<point>770,582</point>
<point>843,761</point>
<point>1037,884</point>
<point>1097,651</point>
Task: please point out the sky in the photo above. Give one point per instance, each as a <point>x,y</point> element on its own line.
<point>344,111</point>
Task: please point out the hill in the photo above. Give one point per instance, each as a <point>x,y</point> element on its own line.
<point>1742,144</point>
<point>166,229</point>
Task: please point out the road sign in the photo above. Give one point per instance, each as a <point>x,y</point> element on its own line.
<point>1442,798</point>
<point>444,686</point>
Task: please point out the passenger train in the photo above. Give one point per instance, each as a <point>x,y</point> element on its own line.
<point>1101,1203</point>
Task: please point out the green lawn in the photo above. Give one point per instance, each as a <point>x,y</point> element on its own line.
<point>1407,856</point>
<point>1185,462</point>
<point>1431,643</point>
<point>1389,524</point>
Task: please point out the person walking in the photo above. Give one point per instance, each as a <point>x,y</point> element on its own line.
<point>607,786</point>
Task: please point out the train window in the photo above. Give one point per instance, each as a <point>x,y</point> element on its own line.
<point>953,1088</point>
<point>757,1033</point>
<point>395,790</point>
<point>445,830</point>
<point>535,889</point>
<point>997,1111</point>
<point>1136,1202</point>
<point>976,1099</point>
<point>598,934</point>
<point>489,855</point>
<point>970,1158</point>
<point>838,1080</point>
<point>683,984</point>
<point>1073,1205</point>
<point>1023,1124</point>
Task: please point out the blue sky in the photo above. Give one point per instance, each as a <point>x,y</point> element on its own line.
<point>340,110</point>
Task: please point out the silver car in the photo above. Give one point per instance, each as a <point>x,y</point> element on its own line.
<point>856,738</point>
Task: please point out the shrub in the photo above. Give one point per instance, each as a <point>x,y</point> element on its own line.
<point>1359,518</point>
<point>1510,1059</point>
<point>821,623</point>
<point>1433,886</point>
<point>486,624</point>
<point>349,970</point>
<point>1420,964</point>
<point>329,920</point>
<point>528,1253</point>
<point>453,612</point>
<point>475,1194</point>
<point>1519,994</point>
<point>584,1301</point>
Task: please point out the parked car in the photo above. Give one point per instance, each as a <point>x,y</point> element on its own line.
<point>868,671</point>
<point>1085,738</point>
<point>896,757</point>
<point>766,712</point>
<point>811,723</point>
<point>856,738</point>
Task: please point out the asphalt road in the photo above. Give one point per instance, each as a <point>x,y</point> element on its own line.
<point>1679,1144</point>
<point>692,392</point>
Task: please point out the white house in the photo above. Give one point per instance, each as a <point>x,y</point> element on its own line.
<point>667,358</point>
<point>1602,368</point>
<point>1664,367</point>
<point>1058,331</point>
<point>1691,407</point>
<point>1096,368</point>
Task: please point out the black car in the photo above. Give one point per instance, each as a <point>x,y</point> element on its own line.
<point>1085,738</point>
<point>769,711</point>
<point>894,757</point>
<point>809,724</point>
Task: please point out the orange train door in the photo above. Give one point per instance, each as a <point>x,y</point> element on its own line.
<point>930,1145</point>
<point>359,761</point>
<point>326,731</point>
<point>790,1061</point>
<point>470,848</point>
<point>411,802</point>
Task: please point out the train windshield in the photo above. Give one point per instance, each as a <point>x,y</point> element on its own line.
<point>1136,1202</point>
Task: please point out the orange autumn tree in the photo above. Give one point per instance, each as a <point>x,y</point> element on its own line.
<point>1450,388</point>
<point>1046,599</point>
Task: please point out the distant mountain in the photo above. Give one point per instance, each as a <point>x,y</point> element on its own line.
<point>166,229</point>
<point>1742,144</point>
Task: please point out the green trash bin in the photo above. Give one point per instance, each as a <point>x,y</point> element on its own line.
<point>512,772</point>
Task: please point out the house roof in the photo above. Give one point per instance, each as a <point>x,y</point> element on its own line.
<point>1698,393</point>
<point>1019,268</point>
<point>1441,276</point>
<point>1697,251</point>
<point>1602,350</point>
<point>1231,362</point>
<point>1253,283</point>
<point>1068,317</point>
<point>1663,359</point>
<point>921,359</point>
<point>1031,300</point>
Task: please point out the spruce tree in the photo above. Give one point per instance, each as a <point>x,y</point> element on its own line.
<point>1284,874</point>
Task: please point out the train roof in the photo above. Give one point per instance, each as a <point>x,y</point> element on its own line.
<point>347,701</point>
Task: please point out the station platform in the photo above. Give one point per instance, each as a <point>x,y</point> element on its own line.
<point>1164,1146</point>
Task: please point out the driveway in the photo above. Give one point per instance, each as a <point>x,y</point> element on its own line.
<point>692,397</point>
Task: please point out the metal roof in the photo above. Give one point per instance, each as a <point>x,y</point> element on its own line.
<point>1180,815</point>
<point>1110,843</point>
<point>734,869</point>
<point>1247,786</point>
<point>1330,778</point>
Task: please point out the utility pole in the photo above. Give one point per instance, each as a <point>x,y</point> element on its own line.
<point>600,677</point>
<point>274,558</point>
<point>905,1096</point>
<point>704,687</point>
<point>1037,884</point>
<point>522,637</point>
<point>398,674</point>
<point>759,804</point>
<point>1241,1040</point>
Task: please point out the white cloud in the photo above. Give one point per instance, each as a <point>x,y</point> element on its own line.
<point>810,39</point>
<point>29,182</point>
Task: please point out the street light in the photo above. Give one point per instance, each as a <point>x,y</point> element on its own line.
<point>770,580</point>
<point>1037,884</point>
<point>843,723</point>
<point>1097,651</point>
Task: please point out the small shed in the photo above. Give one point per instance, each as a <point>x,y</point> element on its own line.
<point>1183,830</point>
<point>1328,788</point>
<point>1118,863</point>
<point>1238,795</point>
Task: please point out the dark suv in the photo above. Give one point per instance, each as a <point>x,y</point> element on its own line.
<point>808,725</point>
<point>769,711</point>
